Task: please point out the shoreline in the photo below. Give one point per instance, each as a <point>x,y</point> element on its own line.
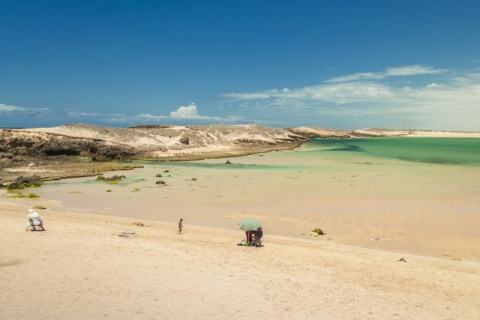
<point>57,152</point>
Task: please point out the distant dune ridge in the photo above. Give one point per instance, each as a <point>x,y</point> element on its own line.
<point>38,147</point>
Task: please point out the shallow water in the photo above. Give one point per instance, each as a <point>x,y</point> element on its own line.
<point>421,157</point>
<point>453,151</point>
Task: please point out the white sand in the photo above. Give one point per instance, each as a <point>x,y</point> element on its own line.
<point>81,269</point>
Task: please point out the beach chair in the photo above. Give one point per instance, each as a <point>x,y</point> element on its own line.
<point>256,241</point>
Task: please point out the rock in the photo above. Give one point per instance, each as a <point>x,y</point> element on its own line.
<point>160,182</point>
<point>22,182</point>
<point>115,178</point>
<point>184,140</point>
<point>318,231</point>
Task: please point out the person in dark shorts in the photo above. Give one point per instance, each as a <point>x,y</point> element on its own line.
<point>180,226</point>
<point>259,233</point>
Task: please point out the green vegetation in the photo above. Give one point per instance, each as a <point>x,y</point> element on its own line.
<point>24,185</point>
<point>20,195</point>
<point>32,195</point>
<point>16,195</point>
<point>319,231</point>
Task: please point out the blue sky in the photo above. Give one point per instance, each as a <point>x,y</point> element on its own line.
<point>342,64</point>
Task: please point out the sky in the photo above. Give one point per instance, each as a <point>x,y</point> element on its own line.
<point>347,64</point>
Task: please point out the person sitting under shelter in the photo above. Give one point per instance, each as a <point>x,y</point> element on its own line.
<point>34,220</point>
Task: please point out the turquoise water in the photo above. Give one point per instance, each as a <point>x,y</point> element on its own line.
<point>450,151</point>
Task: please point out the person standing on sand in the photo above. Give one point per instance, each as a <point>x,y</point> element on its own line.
<point>259,233</point>
<point>180,226</point>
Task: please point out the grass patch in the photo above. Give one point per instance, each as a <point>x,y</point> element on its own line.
<point>16,195</point>
<point>32,196</point>
<point>29,195</point>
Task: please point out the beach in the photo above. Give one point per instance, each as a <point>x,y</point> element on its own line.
<point>81,269</point>
<point>400,243</point>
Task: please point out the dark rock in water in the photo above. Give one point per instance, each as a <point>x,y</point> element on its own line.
<point>228,162</point>
<point>115,178</point>
<point>24,182</point>
<point>159,175</point>
<point>160,182</point>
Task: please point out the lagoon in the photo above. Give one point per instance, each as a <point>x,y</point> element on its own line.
<point>416,195</point>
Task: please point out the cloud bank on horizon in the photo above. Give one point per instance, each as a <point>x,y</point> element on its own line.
<point>394,98</point>
<point>408,97</point>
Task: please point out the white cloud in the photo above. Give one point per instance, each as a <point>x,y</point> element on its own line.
<point>148,116</point>
<point>8,108</point>
<point>81,114</point>
<point>404,71</point>
<point>357,77</point>
<point>189,112</point>
<point>444,103</point>
<point>338,93</point>
<point>412,71</point>
<point>183,113</point>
